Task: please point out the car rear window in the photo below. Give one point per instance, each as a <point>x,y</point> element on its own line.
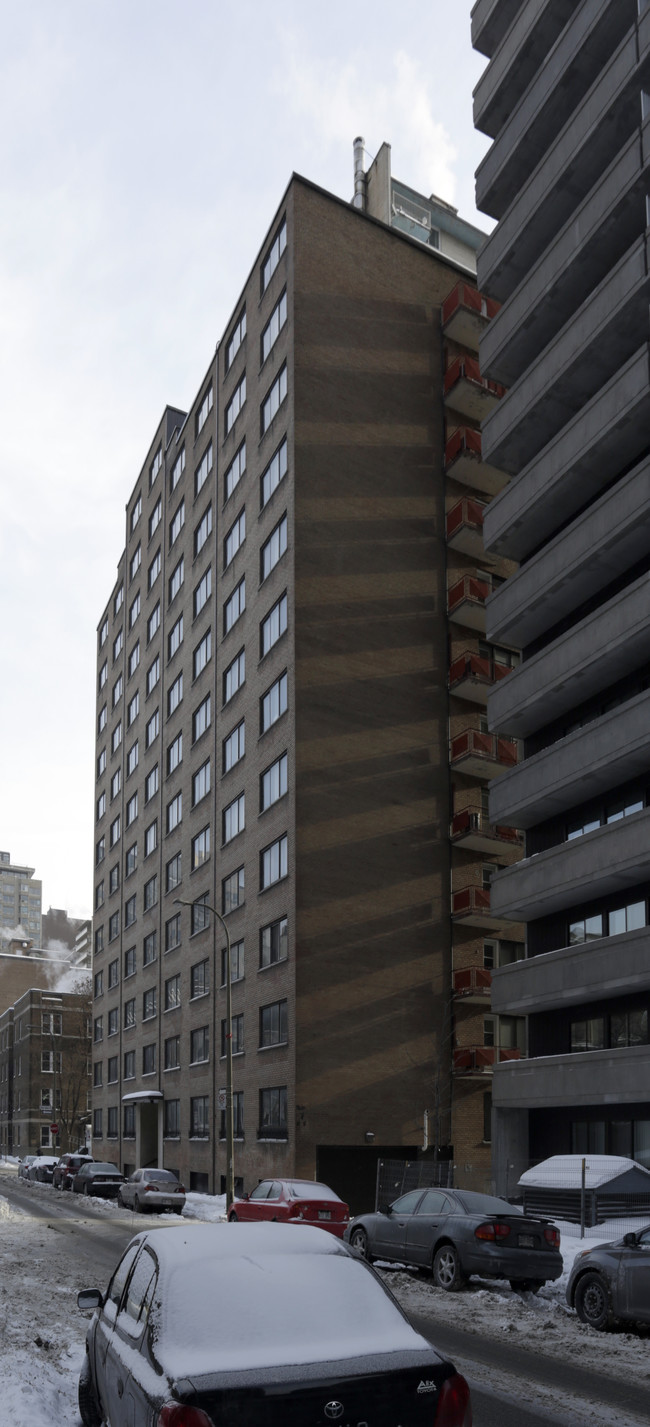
<point>485,1203</point>
<point>306,1189</point>
<point>163,1175</point>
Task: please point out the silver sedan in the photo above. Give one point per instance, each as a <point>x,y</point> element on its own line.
<point>154,1189</point>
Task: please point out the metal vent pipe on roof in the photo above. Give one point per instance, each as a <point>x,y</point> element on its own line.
<point>359,200</point>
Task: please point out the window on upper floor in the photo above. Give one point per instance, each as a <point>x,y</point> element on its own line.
<point>203,470</point>
<point>235,471</point>
<point>273,400</point>
<point>235,339</point>
<point>274,326</point>
<point>235,405</point>
<point>273,255</point>
<point>204,410</point>
<point>274,548</point>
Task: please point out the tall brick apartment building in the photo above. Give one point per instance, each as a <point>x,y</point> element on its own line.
<point>273,731</point>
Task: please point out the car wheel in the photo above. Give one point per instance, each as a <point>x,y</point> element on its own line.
<point>139,1209</point>
<point>90,1415</point>
<point>359,1241</point>
<point>527,1285</point>
<point>120,1199</point>
<point>592,1301</point>
<point>447,1272</point>
<point>234,1218</point>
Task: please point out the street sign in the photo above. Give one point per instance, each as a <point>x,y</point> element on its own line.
<point>54,1129</point>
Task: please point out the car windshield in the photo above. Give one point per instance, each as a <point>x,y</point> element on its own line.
<point>485,1204</point>
<point>308,1190</point>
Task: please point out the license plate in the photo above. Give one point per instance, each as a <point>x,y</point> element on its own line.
<point>526,1241</point>
<point>324,1214</point>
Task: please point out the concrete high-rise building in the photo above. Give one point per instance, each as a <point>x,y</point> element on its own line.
<point>20,903</point>
<point>564,99</point>
<point>273,720</point>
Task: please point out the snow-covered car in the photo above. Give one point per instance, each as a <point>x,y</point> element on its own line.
<point>23,1167</point>
<point>95,1177</point>
<point>612,1281</point>
<point>455,1233</point>
<point>152,1189</point>
<point>42,1168</point>
<point>293,1201</point>
<point>67,1167</point>
<point>204,1324</point>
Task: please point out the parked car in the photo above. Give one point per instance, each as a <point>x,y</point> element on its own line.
<point>67,1167</point>
<point>155,1189</point>
<point>612,1281</point>
<point>23,1167</point>
<point>42,1167</point>
<point>293,1201</point>
<point>102,1180</point>
<point>455,1233</point>
<point>257,1324</point>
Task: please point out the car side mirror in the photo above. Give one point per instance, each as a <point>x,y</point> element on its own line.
<point>630,1240</point>
<point>90,1298</point>
<point>385,1209</point>
<point>245,1196</point>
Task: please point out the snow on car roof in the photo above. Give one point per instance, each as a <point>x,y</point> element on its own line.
<point>564,1171</point>
<point>239,1296</point>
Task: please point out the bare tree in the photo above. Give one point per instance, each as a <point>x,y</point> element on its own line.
<point>71,1077</point>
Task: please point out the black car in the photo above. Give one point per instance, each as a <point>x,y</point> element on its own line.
<point>103,1180</point>
<point>612,1281</point>
<point>259,1325</point>
<point>455,1233</point>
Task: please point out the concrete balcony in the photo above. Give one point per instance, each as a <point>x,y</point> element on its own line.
<point>472,830</point>
<point>490,21</point>
<point>466,602</point>
<point>470,907</point>
<point>472,984</point>
<point>600,863</point>
<point>600,649</point>
<point>611,966</point>
<point>482,755</point>
<point>601,543</point>
<point>595,1077</point>
<point>605,754</point>
<point>471,676</point>
<point>467,392</point>
<point>464,526</point>
<point>601,125</point>
<point>465,315</point>
<point>605,437</point>
<point>472,1060</point>
<point>533,32</point>
<point>566,74</point>
<point>464,463</point>
<point>585,250</point>
<point>589,350</point>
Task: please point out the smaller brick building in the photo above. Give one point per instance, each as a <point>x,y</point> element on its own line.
<point>45,1072</point>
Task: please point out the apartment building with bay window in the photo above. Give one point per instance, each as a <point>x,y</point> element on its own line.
<point>273,731</point>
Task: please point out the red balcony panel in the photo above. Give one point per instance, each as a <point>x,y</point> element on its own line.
<point>465,296</point>
<point>464,439</point>
<point>464,462</point>
<point>467,588</point>
<point>480,1059</point>
<point>472,981</point>
<point>465,512</point>
<point>470,899</point>
<point>477,667</point>
<point>471,827</point>
<point>472,743</point>
<point>467,368</point>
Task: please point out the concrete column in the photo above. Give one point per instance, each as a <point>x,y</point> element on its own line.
<point>510,1149</point>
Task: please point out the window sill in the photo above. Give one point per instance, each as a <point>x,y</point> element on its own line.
<point>280,962</point>
<point>276,1045</point>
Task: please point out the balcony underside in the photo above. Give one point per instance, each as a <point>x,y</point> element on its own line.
<point>514,65</point>
<point>599,864</point>
<point>469,470</point>
<point>491,19</point>
<point>574,976</point>
<point>607,1077</point>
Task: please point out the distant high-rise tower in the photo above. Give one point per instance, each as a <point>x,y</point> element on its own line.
<point>20,903</point>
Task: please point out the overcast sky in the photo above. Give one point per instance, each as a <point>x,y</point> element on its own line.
<point>145,147</point>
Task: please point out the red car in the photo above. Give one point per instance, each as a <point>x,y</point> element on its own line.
<point>293,1201</point>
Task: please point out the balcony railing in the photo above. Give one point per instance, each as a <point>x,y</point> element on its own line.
<point>464,462</point>
<point>467,368</point>
<point>466,512</point>
<point>464,439</point>
<point>473,825</point>
<point>472,981</point>
<point>488,747</point>
<point>468,589</point>
<point>465,296</point>
<point>480,1059</point>
<point>470,901</point>
<point>477,668</point>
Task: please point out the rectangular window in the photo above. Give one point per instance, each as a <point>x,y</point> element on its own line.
<point>118,644</point>
<point>129,962</point>
<point>626,919</point>
<point>201,783</point>
<point>116,783</point>
<point>117,690</point>
<point>274,626</point>
<point>114,878</point>
<point>200,915</point>
<point>234,819</point>
<point>236,962</point>
<point>202,471</point>
<point>273,863</point>
<point>132,759</point>
<point>134,610</point>
<point>273,783</point>
<point>176,523</point>
<point>102,719</point>
<point>199,979</point>
<point>98,1035</point>
<point>131,860</point>
<point>99,940</point>
<point>199,1122</point>
<point>232,891</point>
<point>99,984</point>
<point>273,1024</point>
<point>273,401</point>
<point>200,848</point>
<point>149,1059</point>
<point>153,675</point>
<point>202,654</point>
<point>171,1117</point>
<point>172,1053</point>
<point>274,943</point>
<point>175,753</point>
<point>274,326</point>
<point>174,812</point>
<point>99,895</point>
<point>235,340</point>
<point>177,471</point>
<point>274,254</point>
<point>202,718</point>
<point>150,948</point>
<point>103,675</point>
<point>202,592</point>
<point>175,637</point>
<point>234,746</point>
<point>103,634</point>
<point>203,530</point>
<point>115,831</point>
<point>133,709</point>
<point>130,911</point>
<point>173,873</point>
<point>274,473</point>
<point>237,1025</point>
<point>111,1132</point>
<point>129,1055</point>
<point>155,517</point>
<point>235,471</point>
<point>98,1080</point>
<point>119,599</point>
<point>153,622</point>
<point>204,410</point>
<point>152,729</point>
<point>113,1024</point>
<point>199,1045</point>
<point>132,810</point>
<point>149,1004</point>
<point>136,560</point>
<point>175,694</point>
<point>151,784</point>
<point>154,569</point>
<point>234,676</point>
<point>235,606</point>
<point>235,405</point>
<point>101,806</point>
<point>176,579</point>
<point>173,993</point>
<point>234,539</point>
<point>151,838</point>
<point>129,1122</point>
<point>173,932</point>
<point>273,1113</point>
<point>112,1070</point>
<point>101,763</point>
<point>155,466</point>
<point>97,1124</point>
<point>237,1117</point>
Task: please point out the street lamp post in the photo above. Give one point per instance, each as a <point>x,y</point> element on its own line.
<point>230,1141</point>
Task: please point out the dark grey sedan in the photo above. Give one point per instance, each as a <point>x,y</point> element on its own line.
<point>102,1180</point>
<point>612,1281</point>
<point>454,1233</point>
